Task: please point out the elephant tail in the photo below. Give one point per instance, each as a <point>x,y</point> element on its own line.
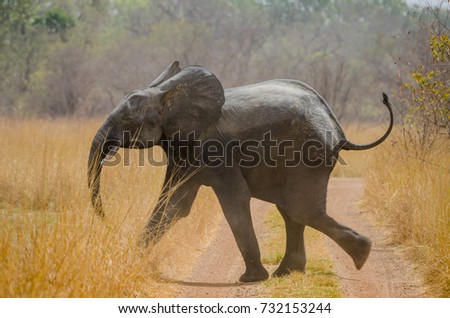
<point>348,145</point>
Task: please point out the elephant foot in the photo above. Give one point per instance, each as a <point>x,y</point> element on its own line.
<point>285,270</point>
<point>292,262</point>
<point>360,252</point>
<point>254,275</point>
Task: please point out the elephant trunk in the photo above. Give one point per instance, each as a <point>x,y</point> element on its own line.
<point>102,148</point>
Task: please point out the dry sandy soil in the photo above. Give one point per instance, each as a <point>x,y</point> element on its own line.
<point>387,273</point>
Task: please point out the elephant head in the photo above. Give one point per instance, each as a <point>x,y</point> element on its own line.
<point>177,103</point>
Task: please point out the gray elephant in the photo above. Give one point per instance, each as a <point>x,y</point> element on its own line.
<point>277,141</point>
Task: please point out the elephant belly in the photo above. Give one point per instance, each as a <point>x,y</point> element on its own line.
<point>280,185</point>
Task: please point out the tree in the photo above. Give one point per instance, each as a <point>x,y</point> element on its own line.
<point>56,20</point>
<point>337,46</point>
<point>426,116</point>
<point>428,98</point>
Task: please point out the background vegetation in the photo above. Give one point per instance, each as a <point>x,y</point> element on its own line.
<point>65,58</point>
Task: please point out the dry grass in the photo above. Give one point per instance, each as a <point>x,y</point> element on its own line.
<point>52,245</point>
<point>413,196</point>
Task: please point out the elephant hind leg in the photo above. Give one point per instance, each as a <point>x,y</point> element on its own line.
<point>295,256</point>
<point>353,243</point>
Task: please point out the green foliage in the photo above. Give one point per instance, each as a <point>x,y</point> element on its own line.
<point>428,98</point>
<point>15,16</point>
<point>56,20</point>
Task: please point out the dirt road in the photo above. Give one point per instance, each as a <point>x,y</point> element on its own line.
<point>218,269</point>
<point>386,273</point>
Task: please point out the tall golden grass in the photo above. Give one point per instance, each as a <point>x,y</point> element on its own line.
<point>52,244</point>
<point>411,193</point>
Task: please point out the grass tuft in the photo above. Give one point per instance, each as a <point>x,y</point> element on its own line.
<point>412,194</point>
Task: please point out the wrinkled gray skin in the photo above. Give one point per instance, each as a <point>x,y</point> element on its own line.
<point>193,99</point>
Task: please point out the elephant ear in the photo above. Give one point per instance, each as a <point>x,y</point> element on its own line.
<point>170,71</point>
<point>192,101</point>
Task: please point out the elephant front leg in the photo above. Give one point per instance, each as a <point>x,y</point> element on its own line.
<point>160,221</point>
<point>236,208</point>
<point>173,204</point>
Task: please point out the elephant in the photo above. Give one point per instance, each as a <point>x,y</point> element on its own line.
<point>276,141</point>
